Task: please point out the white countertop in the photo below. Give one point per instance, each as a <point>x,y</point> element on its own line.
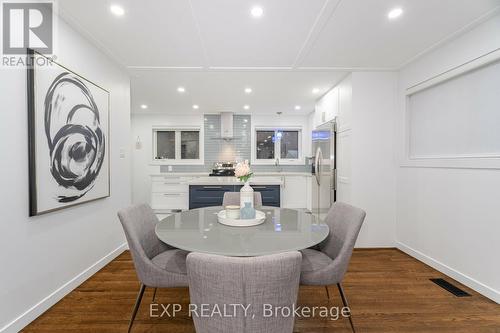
<point>259,178</point>
<point>256,180</point>
<point>205,174</point>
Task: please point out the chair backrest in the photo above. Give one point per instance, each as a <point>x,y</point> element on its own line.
<point>233,198</point>
<point>139,226</point>
<point>252,282</point>
<point>345,222</point>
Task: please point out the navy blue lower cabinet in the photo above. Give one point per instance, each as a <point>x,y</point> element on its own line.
<point>212,195</point>
<point>271,194</point>
<point>207,195</point>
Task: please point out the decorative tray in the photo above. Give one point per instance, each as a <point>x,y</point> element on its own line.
<point>260,217</point>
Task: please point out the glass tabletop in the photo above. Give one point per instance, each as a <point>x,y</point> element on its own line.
<point>283,230</point>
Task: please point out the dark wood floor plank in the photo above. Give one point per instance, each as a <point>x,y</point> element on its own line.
<point>388,291</point>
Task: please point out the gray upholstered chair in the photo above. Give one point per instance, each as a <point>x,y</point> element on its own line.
<point>233,198</point>
<point>328,265</point>
<point>251,281</point>
<point>157,265</point>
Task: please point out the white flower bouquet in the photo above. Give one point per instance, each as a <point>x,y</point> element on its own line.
<point>242,171</point>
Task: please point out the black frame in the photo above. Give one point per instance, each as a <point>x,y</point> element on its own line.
<point>33,207</point>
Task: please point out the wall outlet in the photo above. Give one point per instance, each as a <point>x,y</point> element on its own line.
<point>170,168</point>
<point>122,153</point>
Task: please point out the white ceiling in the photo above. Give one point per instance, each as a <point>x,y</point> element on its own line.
<point>215,48</point>
<point>216,91</point>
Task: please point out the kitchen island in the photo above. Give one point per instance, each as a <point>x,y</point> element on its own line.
<point>171,192</point>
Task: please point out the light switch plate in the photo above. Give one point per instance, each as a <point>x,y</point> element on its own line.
<point>122,153</point>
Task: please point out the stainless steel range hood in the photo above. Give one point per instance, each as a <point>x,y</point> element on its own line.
<point>226,125</point>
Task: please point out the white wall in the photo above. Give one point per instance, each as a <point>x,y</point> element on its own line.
<point>448,217</point>
<point>373,165</point>
<point>142,126</point>
<point>42,258</point>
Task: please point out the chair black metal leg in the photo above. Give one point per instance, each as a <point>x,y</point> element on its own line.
<point>154,295</point>
<point>136,306</point>
<point>327,292</point>
<point>344,300</point>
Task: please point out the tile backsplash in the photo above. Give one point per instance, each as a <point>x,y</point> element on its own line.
<point>239,148</point>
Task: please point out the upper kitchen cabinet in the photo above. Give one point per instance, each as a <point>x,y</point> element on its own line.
<point>345,104</point>
<point>327,107</point>
<point>335,103</point>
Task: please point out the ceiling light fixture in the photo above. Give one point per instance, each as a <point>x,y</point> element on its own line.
<point>196,106</point>
<point>246,107</point>
<point>394,13</point>
<point>248,90</point>
<point>144,106</point>
<point>181,89</point>
<point>257,11</point>
<point>315,91</point>
<point>117,10</point>
<point>297,107</point>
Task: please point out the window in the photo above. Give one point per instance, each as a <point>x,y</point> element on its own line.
<point>165,144</point>
<point>177,146</point>
<point>190,145</point>
<point>265,145</point>
<point>283,145</point>
<point>289,145</point>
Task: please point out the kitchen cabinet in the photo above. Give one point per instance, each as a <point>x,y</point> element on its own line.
<point>169,194</point>
<point>213,195</point>
<point>207,195</point>
<point>295,192</point>
<point>327,107</point>
<point>271,194</point>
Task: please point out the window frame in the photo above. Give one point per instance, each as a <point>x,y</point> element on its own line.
<point>178,160</point>
<point>277,146</point>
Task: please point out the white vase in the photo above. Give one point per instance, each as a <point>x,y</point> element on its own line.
<point>246,195</point>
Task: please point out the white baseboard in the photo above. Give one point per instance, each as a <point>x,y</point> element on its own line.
<point>31,314</point>
<point>481,288</point>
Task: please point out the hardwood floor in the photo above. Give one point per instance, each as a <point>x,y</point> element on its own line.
<point>388,291</point>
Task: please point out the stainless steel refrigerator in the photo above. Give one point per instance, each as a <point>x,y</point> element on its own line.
<point>323,168</point>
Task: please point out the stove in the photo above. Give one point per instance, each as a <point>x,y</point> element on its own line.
<point>223,169</point>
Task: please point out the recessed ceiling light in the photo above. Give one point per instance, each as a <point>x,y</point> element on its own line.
<point>248,90</point>
<point>257,11</point>
<point>117,10</point>
<point>181,89</point>
<point>297,107</point>
<point>144,106</point>
<point>315,91</point>
<point>196,106</point>
<point>394,13</point>
<point>246,107</point>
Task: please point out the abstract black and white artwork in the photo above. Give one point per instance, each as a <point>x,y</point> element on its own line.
<point>69,138</point>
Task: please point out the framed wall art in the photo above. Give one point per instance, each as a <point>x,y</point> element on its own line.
<point>68,119</point>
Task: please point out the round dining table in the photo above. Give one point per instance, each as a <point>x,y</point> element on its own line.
<point>283,230</point>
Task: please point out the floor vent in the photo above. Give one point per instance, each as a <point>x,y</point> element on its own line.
<point>451,288</point>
